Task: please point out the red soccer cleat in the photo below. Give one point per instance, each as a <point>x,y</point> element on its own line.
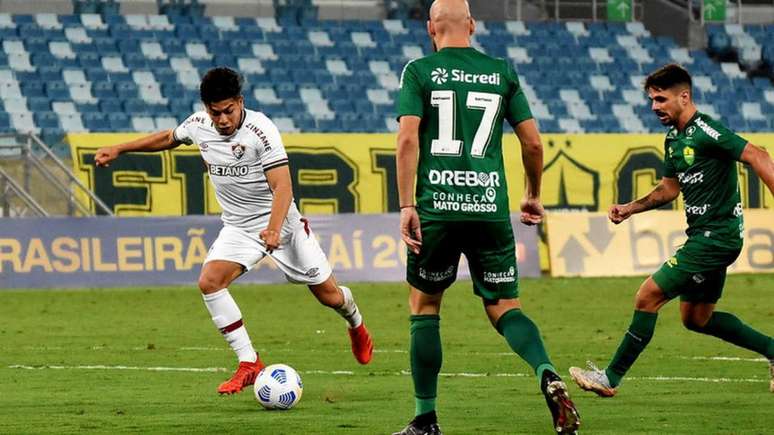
<point>362,345</point>
<point>244,376</point>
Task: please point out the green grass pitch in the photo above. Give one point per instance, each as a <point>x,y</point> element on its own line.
<point>114,361</point>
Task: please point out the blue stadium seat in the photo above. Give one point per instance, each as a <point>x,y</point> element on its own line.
<point>39,104</point>
<point>33,89</point>
<point>119,122</point>
<point>46,119</point>
<point>96,122</point>
<point>57,90</point>
<point>110,105</point>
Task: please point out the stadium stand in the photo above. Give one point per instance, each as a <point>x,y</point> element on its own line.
<point>99,71</point>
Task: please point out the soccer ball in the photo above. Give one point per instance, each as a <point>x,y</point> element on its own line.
<point>278,386</point>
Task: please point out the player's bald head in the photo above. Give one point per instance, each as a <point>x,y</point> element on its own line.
<point>449,15</point>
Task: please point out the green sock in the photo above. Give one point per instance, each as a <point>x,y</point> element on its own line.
<point>728,327</point>
<point>523,337</point>
<point>634,342</point>
<point>426,356</point>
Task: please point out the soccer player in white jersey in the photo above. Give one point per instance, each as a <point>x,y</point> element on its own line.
<point>248,166</point>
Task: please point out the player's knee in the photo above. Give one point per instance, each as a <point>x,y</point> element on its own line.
<point>694,323</point>
<point>209,284</point>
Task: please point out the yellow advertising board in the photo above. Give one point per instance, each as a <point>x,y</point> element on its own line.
<point>588,244</point>
<point>355,173</point>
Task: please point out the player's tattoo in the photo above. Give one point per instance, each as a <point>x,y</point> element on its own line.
<point>653,200</point>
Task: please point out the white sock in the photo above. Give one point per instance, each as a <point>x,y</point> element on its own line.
<point>348,310</point>
<point>228,319</point>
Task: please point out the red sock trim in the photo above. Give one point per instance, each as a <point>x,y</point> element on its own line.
<point>232,327</point>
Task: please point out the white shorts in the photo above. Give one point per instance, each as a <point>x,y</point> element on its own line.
<point>299,255</point>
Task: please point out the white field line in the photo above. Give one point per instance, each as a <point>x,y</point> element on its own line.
<point>400,373</point>
<point>722,358</point>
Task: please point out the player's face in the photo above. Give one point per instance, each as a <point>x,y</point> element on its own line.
<point>226,114</point>
<point>668,104</point>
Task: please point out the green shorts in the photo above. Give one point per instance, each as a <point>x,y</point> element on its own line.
<point>696,273</point>
<point>489,247</point>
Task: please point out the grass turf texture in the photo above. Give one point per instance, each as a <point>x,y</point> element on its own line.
<point>580,319</point>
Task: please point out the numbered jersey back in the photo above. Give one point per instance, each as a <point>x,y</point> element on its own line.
<point>462,96</point>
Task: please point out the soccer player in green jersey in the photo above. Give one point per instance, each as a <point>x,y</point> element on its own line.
<point>700,159</point>
<point>451,109</point>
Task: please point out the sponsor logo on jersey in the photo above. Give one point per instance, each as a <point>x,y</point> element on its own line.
<point>698,278</point>
<point>738,210</point>
<point>261,136</point>
<point>439,76</point>
<point>238,150</point>
<point>689,155</point>
<point>436,276</point>
<point>500,277</point>
<point>464,178</point>
<point>697,210</point>
<point>690,130</point>
<point>709,131</point>
<point>686,178</point>
<point>672,133</point>
<point>229,171</point>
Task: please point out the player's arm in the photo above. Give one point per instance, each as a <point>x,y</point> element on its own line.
<point>666,191</point>
<point>282,195</point>
<point>532,158</point>
<point>160,141</point>
<point>761,162</point>
<point>406,162</point>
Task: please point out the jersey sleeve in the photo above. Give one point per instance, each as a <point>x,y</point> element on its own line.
<point>516,105</point>
<point>669,167</point>
<point>723,141</point>
<point>410,101</point>
<point>271,150</point>
<point>182,133</point>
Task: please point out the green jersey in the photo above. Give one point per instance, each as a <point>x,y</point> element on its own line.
<point>703,159</point>
<point>462,96</point>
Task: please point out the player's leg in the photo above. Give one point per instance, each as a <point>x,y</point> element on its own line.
<point>523,337</point>
<point>426,358</point>
<point>701,317</point>
<point>304,262</point>
<point>649,299</point>
<point>341,300</point>
<point>429,273</point>
<point>226,261</point>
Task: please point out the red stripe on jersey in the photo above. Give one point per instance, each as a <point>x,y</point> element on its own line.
<point>306,225</point>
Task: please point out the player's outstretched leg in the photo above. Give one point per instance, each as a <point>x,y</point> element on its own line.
<point>341,300</point>
<point>523,337</point>
<point>593,379</point>
<point>228,319</point>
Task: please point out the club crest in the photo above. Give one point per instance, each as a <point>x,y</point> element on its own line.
<point>238,150</point>
<point>689,155</point>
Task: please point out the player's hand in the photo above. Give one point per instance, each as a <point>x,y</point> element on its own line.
<point>619,213</point>
<point>271,239</point>
<point>410,231</point>
<point>531,211</point>
<point>105,155</point>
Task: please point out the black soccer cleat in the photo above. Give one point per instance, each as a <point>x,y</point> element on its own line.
<point>565,417</point>
<point>425,424</point>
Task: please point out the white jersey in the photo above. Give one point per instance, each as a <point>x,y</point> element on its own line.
<point>237,165</point>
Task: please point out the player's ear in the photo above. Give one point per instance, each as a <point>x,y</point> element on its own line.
<point>472,24</point>
<point>430,29</point>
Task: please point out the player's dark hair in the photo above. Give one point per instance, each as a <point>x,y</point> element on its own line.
<point>220,84</point>
<point>667,77</point>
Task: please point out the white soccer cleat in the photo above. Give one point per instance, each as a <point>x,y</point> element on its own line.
<point>593,379</point>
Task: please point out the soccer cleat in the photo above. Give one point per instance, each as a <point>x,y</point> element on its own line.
<point>593,379</point>
<point>362,344</point>
<point>565,417</point>
<point>243,377</point>
<point>415,429</point>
